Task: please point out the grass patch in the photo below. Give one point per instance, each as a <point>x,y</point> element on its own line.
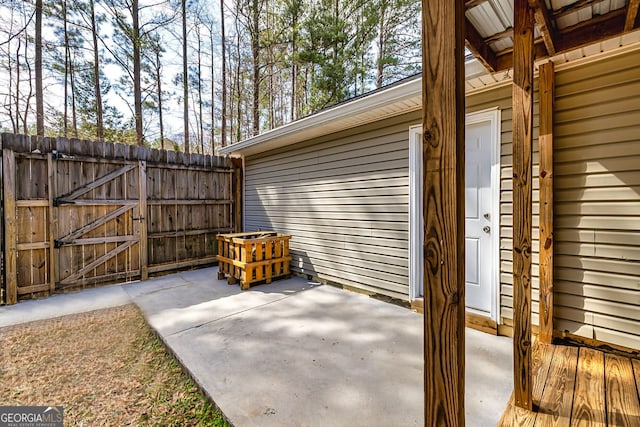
<point>105,367</point>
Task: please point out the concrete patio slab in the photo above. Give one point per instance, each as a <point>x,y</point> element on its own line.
<point>295,353</point>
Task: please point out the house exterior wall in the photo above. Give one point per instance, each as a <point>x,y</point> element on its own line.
<point>597,200</point>
<point>345,199</point>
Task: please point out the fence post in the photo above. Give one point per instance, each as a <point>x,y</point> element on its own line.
<point>53,223</point>
<point>142,196</point>
<point>9,187</point>
<point>237,186</point>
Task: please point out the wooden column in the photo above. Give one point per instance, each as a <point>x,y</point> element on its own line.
<point>10,248</point>
<point>523,57</point>
<point>443,31</point>
<point>546,91</point>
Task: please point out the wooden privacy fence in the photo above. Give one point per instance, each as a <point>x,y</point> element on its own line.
<point>80,213</point>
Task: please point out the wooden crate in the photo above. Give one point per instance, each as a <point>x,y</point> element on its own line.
<point>253,257</point>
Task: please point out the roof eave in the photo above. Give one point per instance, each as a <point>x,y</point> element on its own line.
<point>358,112</point>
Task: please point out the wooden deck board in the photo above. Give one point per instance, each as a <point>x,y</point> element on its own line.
<point>636,369</point>
<point>557,399</point>
<point>623,408</point>
<point>579,387</point>
<point>589,398</point>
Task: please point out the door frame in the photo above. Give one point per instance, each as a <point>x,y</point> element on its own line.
<point>416,232</point>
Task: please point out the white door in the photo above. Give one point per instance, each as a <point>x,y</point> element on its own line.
<point>482,210</point>
<point>478,206</point>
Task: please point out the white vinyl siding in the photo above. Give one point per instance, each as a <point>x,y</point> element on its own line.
<point>501,98</point>
<point>597,200</point>
<point>344,198</point>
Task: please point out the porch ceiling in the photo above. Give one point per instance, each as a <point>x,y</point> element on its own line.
<point>561,25</point>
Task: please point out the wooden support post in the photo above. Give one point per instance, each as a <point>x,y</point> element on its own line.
<point>523,57</point>
<point>10,248</point>
<point>546,201</point>
<point>142,196</point>
<point>237,184</point>
<point>443,109</point>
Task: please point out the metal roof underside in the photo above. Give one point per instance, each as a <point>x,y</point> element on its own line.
<point>561,25</point>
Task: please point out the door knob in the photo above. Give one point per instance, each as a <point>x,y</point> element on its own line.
<point>486,229</point>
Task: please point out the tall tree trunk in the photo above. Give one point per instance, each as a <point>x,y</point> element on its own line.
<point>27,101</point>
<point>238,123</point>
<point>65,115</point>
<point>294,66</point>
<point>255,52</point>
<point>185,78</point>
<point>137,89</point>
<point>381,44</point>
<point>223,85</point>
<point>213,92</point>
<point>200,90</point>
<point>96,74</point>
<point>18,77</point>
<point>39,93</point>
<point>159,87</point>
<point>74,113</point>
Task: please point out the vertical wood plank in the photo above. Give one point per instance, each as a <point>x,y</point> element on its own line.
<point>523,56</point>
<point>142,195</point>
<point>623,406</point>
<point>9,187</point>
<point>546,201</point>
<point>53,220</point>
<point>443,30</point>
<point>557,398</point>
<point>588,402</point>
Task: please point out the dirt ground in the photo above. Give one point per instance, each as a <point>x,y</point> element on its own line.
<point>105,367</point>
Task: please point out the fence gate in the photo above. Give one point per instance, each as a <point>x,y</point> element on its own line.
<point>98,220</point>
<point>80,213</point>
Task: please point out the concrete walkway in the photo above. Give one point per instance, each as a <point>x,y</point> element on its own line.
<point>295,353</point>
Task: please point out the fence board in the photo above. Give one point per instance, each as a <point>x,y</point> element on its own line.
<point>9,187</point>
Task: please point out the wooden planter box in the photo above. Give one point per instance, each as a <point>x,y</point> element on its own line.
<point>253,257</point>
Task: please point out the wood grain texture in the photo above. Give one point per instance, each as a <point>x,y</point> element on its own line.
<point>542,356</point>
<point>480,48</point>
<point>443,153</point>
<point>514,416</point>
<point>523,57</point>
<point>557,398</point>
<point>623,408</point>
<point>546,92</point>
<point>589,395</point>
<point>10,231</point>
<point>632,13</point>
<point>543,19</point>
